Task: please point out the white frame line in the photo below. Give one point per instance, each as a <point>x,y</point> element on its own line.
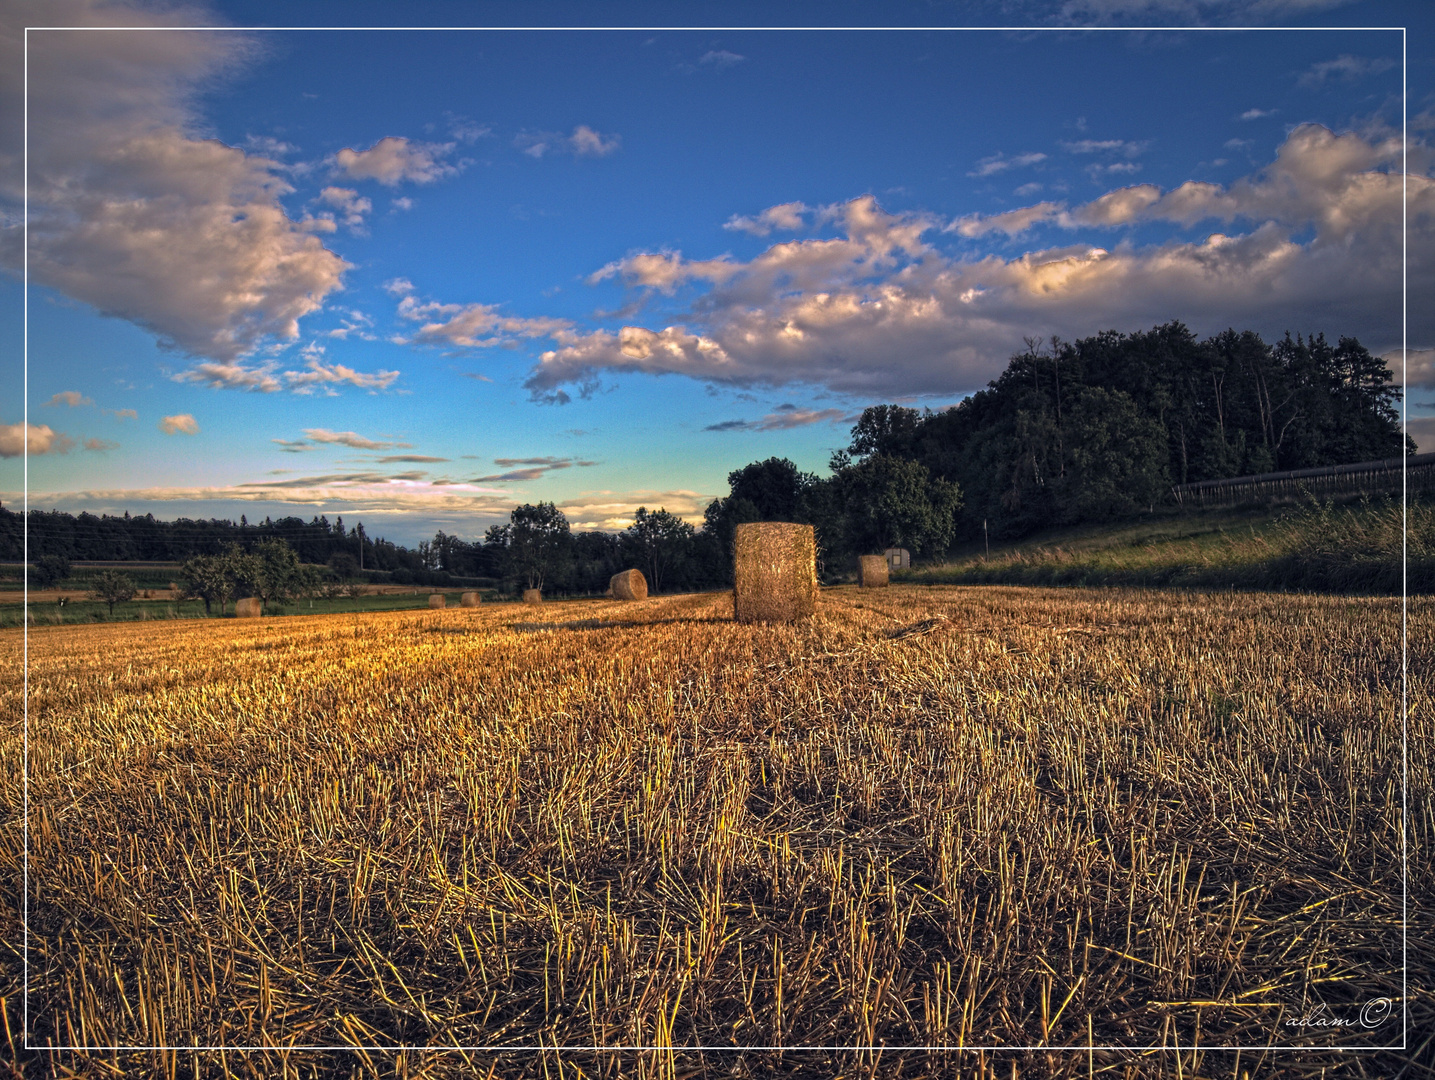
<point>1404,598</point>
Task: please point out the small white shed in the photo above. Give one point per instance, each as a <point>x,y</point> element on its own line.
<point>898,558</point>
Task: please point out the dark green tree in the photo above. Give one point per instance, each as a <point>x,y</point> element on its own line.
<point>660,541</point>
<point>894,502</point>
<point>538,543</point>
<point>49,571</point>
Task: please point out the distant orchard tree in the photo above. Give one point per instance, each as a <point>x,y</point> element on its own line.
<point>208,579</point>
<point>112,587</point>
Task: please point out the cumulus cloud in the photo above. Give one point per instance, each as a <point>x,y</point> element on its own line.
<point>783,418</point>
<point>349,205</point>
<point>266,378</point>
<point>1312,241</point>
<point>787,216</point>
<point>665,270</point>
<point>16,439</point>
<point>583,142</point>
<point>1013,222</point>
<point>131,210</point>
<point>352,439</point>
<point>72,398</point>
<point>990,166</point>
<point>317,375</point>
<point>472,326</point>
<point>179,424</point>
<point>394,159</point>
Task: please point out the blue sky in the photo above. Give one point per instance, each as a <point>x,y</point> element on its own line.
<point>418,277</point>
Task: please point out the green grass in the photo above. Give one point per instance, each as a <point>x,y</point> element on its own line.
<point>1355,548</point>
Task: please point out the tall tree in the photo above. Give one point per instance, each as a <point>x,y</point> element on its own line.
<point>661,541</point>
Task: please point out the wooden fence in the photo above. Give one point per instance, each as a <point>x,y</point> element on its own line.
<point>1362,478</point>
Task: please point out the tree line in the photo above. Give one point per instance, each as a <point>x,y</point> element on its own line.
<point>1093,430</point>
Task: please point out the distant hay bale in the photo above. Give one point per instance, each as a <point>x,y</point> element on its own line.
<point>629,585</point>
<point>872,571</point>
<point>436,600</point>
<point>533,596</point>
<point>774,572</point>
<point>469,599</point>
<point>248,608</point>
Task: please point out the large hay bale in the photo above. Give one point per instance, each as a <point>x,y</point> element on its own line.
<point>629,585</point>
<point>248,608</point>
<point>533,596</point>
<point>774,572</point>
<point>469,599</point>
<point>437,600</point>
<point>872,571</point>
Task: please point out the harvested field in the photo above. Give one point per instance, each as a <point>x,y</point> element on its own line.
<point>927,817</point>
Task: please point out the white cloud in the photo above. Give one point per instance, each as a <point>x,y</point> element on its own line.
<point>350,205</point>
<point>394,159</point>
<point>1012,223</point>
<point>398,286</point>
<point>665,270</point>
<point>318,374</point>
<point>584,142</point>
<point>132,211</point>
<point>1256,114</point>
<point>234,375</point>
<point>72,398</point>
<point>472,326</point>
<point>588,143</point>
<point>41,439</point>
<point>351,439</point>
<point>1119,207</point>
<point>787,217</point>
<point>179,424</point>
<point>266,378</point>
<point>1346,68</point>
<point>721,58</point>
<point>1124,148</point>
<point>989,166</point>
<point>877,311</point>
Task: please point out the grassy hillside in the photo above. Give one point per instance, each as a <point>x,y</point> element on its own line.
<point>1355,548</point>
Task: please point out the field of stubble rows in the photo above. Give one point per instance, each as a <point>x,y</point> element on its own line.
<point>929,817</point>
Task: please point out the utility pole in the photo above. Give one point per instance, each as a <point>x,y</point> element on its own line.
<point>986,538</point>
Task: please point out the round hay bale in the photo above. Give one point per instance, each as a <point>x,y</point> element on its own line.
<point>872,571</point>
<point>469,599</point>
<point>437,600</point>
<point>248,608</point>
<point>774,572</point>
<point>629,585</point>
<point>533,596</point>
